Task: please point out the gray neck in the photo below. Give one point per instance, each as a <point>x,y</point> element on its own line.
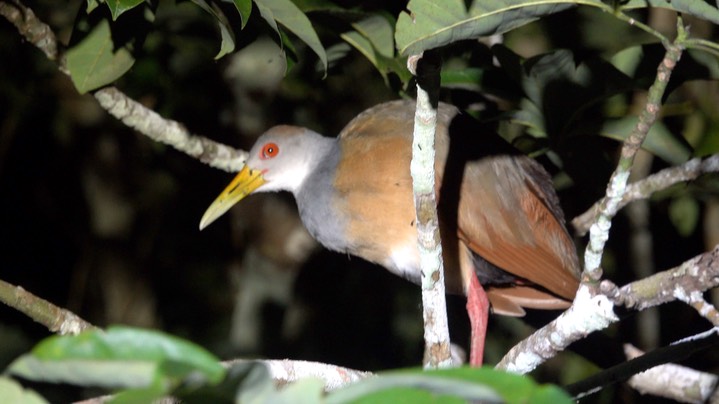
<point>315,198</point>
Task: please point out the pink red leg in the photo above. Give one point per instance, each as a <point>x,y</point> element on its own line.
<point>478,310</point>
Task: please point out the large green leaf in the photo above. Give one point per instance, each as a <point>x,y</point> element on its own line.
<point>117,7</point>
<point>118,357</point>
<point>659,141</point>
<point>699,8</point>
<point>431,23</point>
<point>290,16</point>
<point>94,62</point>
<point>378,30</point>
<point>373,38</point>
<point>466,384</point>
<point>86,372</point>
<point>562,96</point>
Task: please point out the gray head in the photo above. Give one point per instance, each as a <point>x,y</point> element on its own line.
<point>281,160</point>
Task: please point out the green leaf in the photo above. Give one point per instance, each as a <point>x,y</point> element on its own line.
<point>431,24</point>
<point>119,357</point>
<point>583,86</point>
<point>91,5</point>
<point>660,141</point>
<point>244,8</point>
<point>319,5</point>
<point>85,372</point>
<point>94,62</point>
<point>117,7</point>
<point>373,38</point>
<point>12,392</point>
<point>150,394</point>
<point>256,385</point>
<point>227,44</point>
<point>379,31</point>
<point>362,44</point>
<point>684,214</point>
<point>530,116</point>
<point>465,383</point>
<point>290,16</point>
<point>697,8</point>
<point>709,143</point>
<point>304,391</point>
<point>467,78</point>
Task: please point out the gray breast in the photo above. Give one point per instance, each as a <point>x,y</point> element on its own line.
<point>315,204</point>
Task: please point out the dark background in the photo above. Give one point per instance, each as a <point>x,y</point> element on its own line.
<point>104,222</point>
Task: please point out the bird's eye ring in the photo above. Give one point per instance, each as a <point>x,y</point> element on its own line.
<point>269,151</point>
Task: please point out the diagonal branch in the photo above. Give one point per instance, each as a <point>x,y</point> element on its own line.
<point>698,274</point>
<point>643,189</point>
<point>655,363</point>
<point>56,319</point>
<point>121,106</point>
<point>592,313</point>
<point>169,132</point>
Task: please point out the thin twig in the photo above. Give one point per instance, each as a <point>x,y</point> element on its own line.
<point>643,189</point>
<point>704,308</point>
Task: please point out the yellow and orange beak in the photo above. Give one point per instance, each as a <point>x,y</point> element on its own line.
<point>246,181</point>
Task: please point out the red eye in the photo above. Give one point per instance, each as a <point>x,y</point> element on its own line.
<point>269,151</point>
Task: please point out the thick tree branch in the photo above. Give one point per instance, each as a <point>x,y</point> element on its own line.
<point>436,330</point>
<point>122,107</point>
<point>288,371</point>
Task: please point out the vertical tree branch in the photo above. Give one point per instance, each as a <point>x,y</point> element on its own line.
<point>436,332</point>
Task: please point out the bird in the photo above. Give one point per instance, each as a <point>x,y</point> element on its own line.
<point>505,244</point>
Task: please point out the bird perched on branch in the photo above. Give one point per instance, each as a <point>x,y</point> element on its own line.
<point>502,229</point>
